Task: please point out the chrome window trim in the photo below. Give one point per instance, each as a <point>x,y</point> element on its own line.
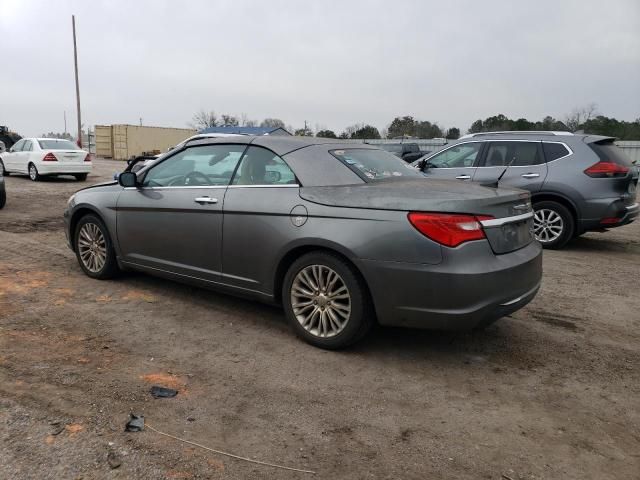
<point>182,187</point>
<point>286,185</point>
<point>497,222</point>
<point>201,187</point>
<point>564,145</point>
<point>531,141</point>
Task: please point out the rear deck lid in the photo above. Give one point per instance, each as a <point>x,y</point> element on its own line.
<point>510,209</point>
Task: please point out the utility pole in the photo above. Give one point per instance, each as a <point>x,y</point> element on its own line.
<point>75,62</point>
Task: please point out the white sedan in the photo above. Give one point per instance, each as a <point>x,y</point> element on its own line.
<point>38,157</point>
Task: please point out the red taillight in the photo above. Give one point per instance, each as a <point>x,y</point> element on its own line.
<point>88,158</point>
<point>609,221</point>
<point>49,157</point>
<point>605,169</point>
<point>449,229</point>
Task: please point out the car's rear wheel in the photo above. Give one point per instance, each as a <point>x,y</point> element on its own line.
<point>553,224</point>
<point>33,173</point>
<point>94,248</point>
<point>81,177</point>
<point>3,170</point>
<point>326,302</point>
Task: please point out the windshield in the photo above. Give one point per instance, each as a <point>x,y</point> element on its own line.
<point>374,164</point>
<point>54,144</point>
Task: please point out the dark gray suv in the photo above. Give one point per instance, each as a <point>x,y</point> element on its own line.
<point>578,183</point>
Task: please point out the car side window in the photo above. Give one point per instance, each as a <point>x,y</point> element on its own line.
<point>463,155</point>
<point>260,166</point>
<point>205,165</point>
<point>27,147</point>
<point>517,154</point>
<point>17,147</point>
<point>554,151</point>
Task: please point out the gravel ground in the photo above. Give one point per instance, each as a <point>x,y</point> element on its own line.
<point>552,392</point>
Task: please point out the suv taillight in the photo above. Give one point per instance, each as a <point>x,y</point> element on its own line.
<point>605,169</point>
<point>49,157</point>
<point>449,229</point>
<point>88,158</point>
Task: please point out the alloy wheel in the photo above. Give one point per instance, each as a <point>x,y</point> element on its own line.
<point>547,225</point>
<point>33,173</point>
<point>321,301</point>
<point>92,247</point>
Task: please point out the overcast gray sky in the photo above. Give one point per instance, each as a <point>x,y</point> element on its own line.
<point>332,63</point>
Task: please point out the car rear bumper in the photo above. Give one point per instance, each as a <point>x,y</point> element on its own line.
<point>615,211</point>
<point>472,287</point>
<point>62,168</point>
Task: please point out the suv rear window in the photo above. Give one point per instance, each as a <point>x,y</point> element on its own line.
<point>372,164</point>
<point>607,151</point>
<point>554,151</point>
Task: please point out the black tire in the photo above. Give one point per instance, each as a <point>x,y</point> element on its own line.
<point>568,223</point>
<point>33,173</point>
<point>81,177</point>
<point>3,196</point>
<point>110,268</point>
<point>361,317</point>
<point>3,170</point>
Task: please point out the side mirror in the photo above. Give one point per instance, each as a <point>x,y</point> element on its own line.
<point>128,179</point>
<point>421,164</point>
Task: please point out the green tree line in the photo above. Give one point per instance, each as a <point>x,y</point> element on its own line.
<point>585,120</point>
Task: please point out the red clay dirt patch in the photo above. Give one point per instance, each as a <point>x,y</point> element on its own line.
<point>73,428</point>
<point>165,380</point>
<point>14,281</point>
<point>139,295</point>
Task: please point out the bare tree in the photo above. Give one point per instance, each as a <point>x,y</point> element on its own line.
<point>579,116</point>
<point>203,119</point>
<point>229,120</point>
<point>245,121</point>
<point>272,123</point>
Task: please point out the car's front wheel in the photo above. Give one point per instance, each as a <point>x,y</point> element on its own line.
<point>553,224</point>
<point>326,301</point>
<point>3,170</point>
<point>94,248</point>
<point>33,173</point>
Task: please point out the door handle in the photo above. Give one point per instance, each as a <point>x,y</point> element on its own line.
<point>530,175</point>
<point>463,177</point>
<point>205,200</point>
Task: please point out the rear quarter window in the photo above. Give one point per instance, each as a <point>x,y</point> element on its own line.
<point>609,152</point>
<point>554,151</point>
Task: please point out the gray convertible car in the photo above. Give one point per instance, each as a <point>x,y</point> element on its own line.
<point>341,234</point>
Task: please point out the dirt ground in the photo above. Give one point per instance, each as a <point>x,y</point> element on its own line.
<point>551,393</point>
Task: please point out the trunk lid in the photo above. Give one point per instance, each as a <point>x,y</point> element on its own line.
<point>69,156</point>
<point>511,208</point>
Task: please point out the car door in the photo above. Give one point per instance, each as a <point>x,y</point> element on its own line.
<point>458,161</point>
<point>25,156</point>
<point>11,157</point>
<point>172,222</point>
<point>523,161</point>
<point>257,218</point>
